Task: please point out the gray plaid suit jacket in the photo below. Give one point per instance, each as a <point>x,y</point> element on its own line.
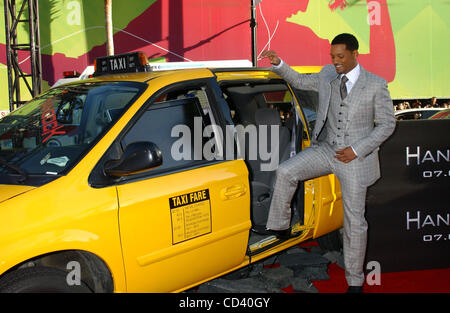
<point>370,118</point>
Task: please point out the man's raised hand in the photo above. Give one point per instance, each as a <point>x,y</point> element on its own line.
<point>272,55</point>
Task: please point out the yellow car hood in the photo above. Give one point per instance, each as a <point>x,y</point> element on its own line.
<point>9,191</point>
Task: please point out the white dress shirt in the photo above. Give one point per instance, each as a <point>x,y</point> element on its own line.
<point>352,76</point>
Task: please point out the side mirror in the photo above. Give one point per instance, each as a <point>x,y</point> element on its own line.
<point>138,157</point>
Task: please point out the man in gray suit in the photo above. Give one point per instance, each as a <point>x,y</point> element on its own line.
<point>355,115</point>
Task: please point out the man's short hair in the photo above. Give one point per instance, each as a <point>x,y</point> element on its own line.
<point>350,41</point>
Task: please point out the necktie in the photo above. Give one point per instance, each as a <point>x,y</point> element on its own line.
<point>344,79</point>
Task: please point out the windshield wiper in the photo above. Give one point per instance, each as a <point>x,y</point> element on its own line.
<point>21,171</point>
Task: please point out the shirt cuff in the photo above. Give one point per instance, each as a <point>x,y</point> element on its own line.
<point>354,151</point>
<point>279,65</point>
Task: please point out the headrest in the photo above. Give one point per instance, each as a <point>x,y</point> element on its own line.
<point>246,113</point>
<point>267,116</point>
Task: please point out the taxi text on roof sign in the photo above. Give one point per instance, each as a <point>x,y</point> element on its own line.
<point>122,63</point>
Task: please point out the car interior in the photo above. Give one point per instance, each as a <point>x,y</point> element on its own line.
<point>264,108</point>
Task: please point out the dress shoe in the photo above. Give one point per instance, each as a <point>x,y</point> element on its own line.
<point>355,289</point>
<point>280,234</point>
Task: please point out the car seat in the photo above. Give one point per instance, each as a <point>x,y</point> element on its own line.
<point>262,181</point>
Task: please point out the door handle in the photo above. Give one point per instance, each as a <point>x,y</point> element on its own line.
<point>233,192</point>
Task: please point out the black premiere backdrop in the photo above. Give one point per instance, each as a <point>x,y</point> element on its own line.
<point>408,207</point>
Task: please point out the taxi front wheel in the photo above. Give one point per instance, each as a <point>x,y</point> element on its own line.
<point>40,280</point>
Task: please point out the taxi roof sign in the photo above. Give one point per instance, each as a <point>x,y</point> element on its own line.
<point>121,63</point>
<point>164,66</point>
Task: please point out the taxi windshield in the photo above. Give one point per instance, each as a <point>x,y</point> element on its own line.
<point>50,134</point>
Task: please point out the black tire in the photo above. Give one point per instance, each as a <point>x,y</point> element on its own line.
<point>39,280</point>
<point>331,241</point>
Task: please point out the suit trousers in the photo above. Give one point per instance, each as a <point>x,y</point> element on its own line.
<point>312,162</point>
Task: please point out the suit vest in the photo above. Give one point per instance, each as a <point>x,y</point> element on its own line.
<point>334,129</point>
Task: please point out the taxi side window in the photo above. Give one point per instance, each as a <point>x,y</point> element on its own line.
<point>180,124</point>
<point>309,101</point>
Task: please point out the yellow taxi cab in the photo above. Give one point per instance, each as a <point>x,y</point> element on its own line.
<point>152,181</point>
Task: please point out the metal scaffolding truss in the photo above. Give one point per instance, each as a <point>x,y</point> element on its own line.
<point>25,14</point>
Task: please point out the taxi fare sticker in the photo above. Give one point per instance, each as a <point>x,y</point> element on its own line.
<point>191,215</point>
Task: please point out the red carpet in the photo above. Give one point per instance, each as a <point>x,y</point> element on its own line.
<point>425,281</point>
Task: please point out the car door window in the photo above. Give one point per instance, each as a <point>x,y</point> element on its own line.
<point>181,124</point>
<point>309,101</point>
